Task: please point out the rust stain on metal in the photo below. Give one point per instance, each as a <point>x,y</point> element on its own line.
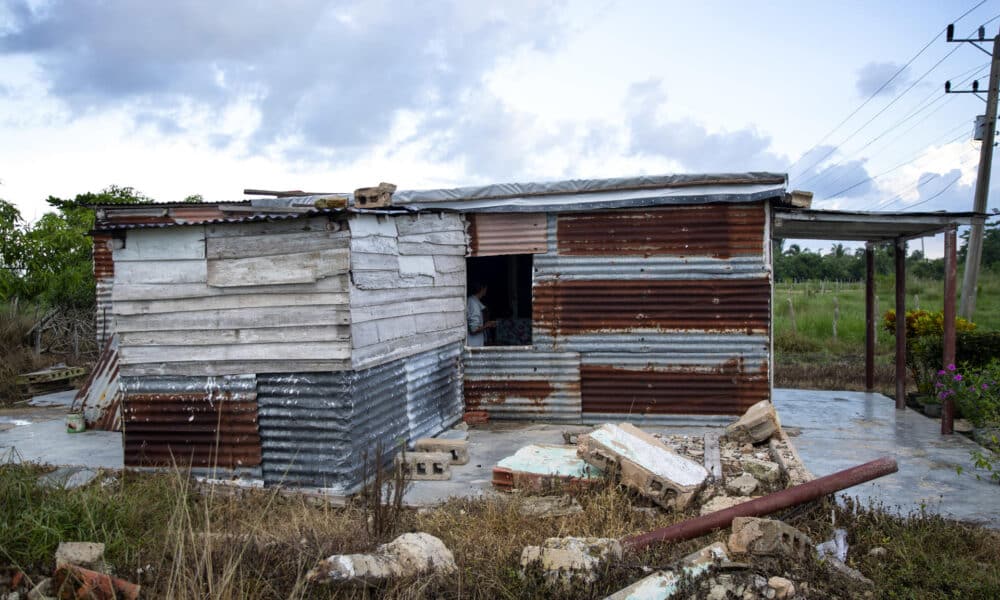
<point>202,430</point>
<point>100,395</point>
<point>717,230</point>
<point>497,391</point>
<point>727,389</point>
<point>104,265</point>
<point>492,234</point>
<point>568,307</point>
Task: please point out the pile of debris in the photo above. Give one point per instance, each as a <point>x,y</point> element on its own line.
<point>732,480</point>
<point>80,572</point>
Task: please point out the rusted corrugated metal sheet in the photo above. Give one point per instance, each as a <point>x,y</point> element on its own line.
<point>100,396</point>
<point>316,428</point>
<point>726,389</point>
<point>492,234</point>
<point>104,274</point>
<point>198,421</point>
<point>568,307</point>
<point>715,230</point>
<point>521,383</point>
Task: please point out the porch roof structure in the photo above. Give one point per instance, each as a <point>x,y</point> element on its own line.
<point>897,228</point>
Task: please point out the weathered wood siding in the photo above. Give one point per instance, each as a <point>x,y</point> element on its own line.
<point>407,285</point>
<point>234,298</point>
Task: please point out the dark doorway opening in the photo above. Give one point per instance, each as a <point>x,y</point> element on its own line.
<point>508,297</point>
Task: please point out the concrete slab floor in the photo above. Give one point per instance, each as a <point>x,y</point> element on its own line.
<point>843,429</point>
<point>39,435</point>
<point>838,430</point>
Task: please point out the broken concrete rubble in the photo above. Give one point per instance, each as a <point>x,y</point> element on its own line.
<point>571,559</point>
<point>764,470</point>
<point>663,584</point>
<point>89,555</point>
<point>643,463</point>
<point>720,503</point>
<point>782,587</point>
<point>767,537</point>
<point>409,555</point>
<point>757,424</point>
<point>457,448</point>
<point>78,582</point>
<point>744,485</point>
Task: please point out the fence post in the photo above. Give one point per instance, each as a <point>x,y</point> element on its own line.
<point>836,316</point>
<point>791,315</point>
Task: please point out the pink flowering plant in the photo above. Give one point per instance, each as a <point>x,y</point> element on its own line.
<point>975,392</point>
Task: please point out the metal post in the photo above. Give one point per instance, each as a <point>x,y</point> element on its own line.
<point>870,317</point>
<point>765,505</point>
<point>900,323</point>
<point>948,356</point>
<point>975,250</point>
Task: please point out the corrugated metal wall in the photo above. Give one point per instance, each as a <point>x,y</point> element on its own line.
<point>492,234</point>
<point>668,307</point>
<point>198,421</point>
<point>317,427</point>
<point>665,311</point>
<point>104,275</point>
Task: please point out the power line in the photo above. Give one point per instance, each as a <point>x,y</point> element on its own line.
<point>920,183</point>
<point>882,87</point>
<point>923,105</point>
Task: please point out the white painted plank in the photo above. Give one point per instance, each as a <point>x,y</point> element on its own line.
<point>171,243</point>
<point>364,333</point>
<point>444,263</point>
<point>233,367</point>
<point>161,271</point>
<point>251,246</point>
<point>301,267</point>
<point>396,328</point>
<point>383,280</point>
<point>430,249</point>
<point>277,351</point>
<point>330,333</point>
<point>146,307</point>
<point>441,321</point>
<point>143,291</point>
<point>366,225</point>
<point>272,227</point>
<point>362,297</point>
<point>363,261</point>
<point>240,318</point>
<point>375,245</point>
<point>449,279</point>
<point>361,313</point>
<point>445,238</point>
<point>429,222</point>
<point>416,265</point>
<point>383,352</point>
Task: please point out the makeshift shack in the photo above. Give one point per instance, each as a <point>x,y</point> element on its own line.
<point>288,337</point>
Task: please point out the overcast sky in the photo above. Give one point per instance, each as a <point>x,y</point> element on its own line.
<point>192,97</point>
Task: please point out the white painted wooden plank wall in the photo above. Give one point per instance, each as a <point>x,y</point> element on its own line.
<point>407,285</point>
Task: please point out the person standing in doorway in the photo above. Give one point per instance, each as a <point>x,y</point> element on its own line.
<point>474,315</point>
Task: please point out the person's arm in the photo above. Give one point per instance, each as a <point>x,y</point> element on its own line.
<point>474,315</point>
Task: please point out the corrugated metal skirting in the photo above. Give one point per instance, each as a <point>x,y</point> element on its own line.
<point>523,383</point>
<point>317,428</point>
<point>205,422</point>
<point>104,275</point>
<point>100,396</point>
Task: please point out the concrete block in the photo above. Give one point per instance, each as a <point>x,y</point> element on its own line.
<point>89,555</point>
<point>767,537</point>
<point>458,449</point>
<point>643,463</point>
<point>664,584</point>
<point>571,559</point>
<point>744,485</point>
<point>425,466</point>
<point>543,468</point>
<point>783,453</point>
<point>757,424</point>
<point>409,555</point>
<point>764,470</point>
<point>721,503</point>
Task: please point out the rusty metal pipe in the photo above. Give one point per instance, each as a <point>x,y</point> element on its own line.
<point>766,505</point>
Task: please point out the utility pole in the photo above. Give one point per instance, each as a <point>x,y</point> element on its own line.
<point>975,249</point>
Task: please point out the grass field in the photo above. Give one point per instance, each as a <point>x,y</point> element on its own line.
<point>807,355</point>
